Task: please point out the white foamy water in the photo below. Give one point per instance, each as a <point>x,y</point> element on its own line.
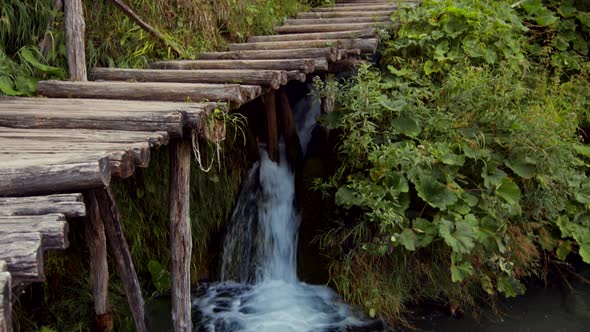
<point>260,291</point>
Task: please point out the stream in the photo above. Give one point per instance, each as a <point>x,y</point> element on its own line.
<point>259,290</point>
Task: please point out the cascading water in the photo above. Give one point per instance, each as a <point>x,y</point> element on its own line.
<point>259,291</point>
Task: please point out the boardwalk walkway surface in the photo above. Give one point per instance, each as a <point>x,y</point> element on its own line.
<point>54,149</point>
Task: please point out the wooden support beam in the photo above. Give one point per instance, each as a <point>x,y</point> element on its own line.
<point>99,270</point>
<point>75,28</point>
<point>286,29</point>
<point>271,78</point>
<point>234,93</point>
<point>271,126</point>
<point>296,76</point>
<point>301,53</point>
<point>180,234</point>
<point>355,8</point>
<point>366,33</point>
<point>288,130</point>
<point>305,65</point>
<point>109,213</point>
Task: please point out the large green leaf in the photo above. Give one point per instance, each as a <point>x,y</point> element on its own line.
<point>7,87</point>
<point>406,125</point>
<point>510,286</point>
<point>460,269</point>
<point>346,197</point>
<point>508,191</point>
<point>425,231</point>
<point>435,193</point>
<point>30,58</point>
<point>458,235</point>
<point>408,239</point>
<point>521,167</point>
<point>160,276</point>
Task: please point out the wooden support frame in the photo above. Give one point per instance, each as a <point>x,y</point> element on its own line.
<point>272,139</point>
<point>180,233</point>
<point>288,130</point>
<point>111,217</point>
<point>75,27</point>
<point>99,270</point>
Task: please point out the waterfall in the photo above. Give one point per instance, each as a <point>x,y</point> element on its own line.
<point>259,289</point>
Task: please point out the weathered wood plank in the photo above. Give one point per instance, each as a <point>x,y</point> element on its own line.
<point>23,255</point>
<point>302,53</point>
<point>52,227</point>
<point>5,299</point>
<point>48,175</point>
<point>355,8</point>
<point>378,13</point>
<point>99,270</point>
<point>70,205</point>
<point>87,135</point>
<point>109,213</point>
<point>365,45</point>
<point>366,33</point>
<point>272,78</point>
<point>180,234</point>
<point>337,20</point>
<point>305,65</point>
<point>75,29</point>
<point>286,29</point>
<point>234,93</point>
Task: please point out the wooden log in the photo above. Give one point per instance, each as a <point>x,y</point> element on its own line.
<point>50,175</point>
<point>271,126</point>
<point>366,33</point>
<point>5,300</point>
<point>85,135</point>
<point>23,255</point>
<point>75,29</point>
<point>109,213</point>
<point>302,53</point>
<point>365,45</point>
<point>288,130</point>
<point>180,234</point>
<point>321,65</point>
<point>52,227</point>
<point>336,20</point>
<point>121,163</point>
<point>70,205</point>
<point>99,270</point>
<point>327,27</point>
<point>345,14</point>
<point>272,78</point>
<point>296,76</point>
<point>233,93</point>
<point>145,26</point>
<point>304,65</point>
<point>355,8</point>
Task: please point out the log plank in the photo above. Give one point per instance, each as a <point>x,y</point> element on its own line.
<point>5,299</point>
<point>305,65</point>
<point>52,227</point>
<point>286,29</point>
<point>365,45</point>
<point>336,20</point>
<point>302,53</point>
<point>70,205</point>
<point>366,33</point>
<point>23,255</point>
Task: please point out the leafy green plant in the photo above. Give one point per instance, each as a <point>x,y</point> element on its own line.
<point>461,165</point>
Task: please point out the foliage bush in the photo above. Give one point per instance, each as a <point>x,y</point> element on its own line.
<point>462,170</point>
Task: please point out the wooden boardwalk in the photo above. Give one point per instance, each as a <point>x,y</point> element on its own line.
<point>59,154</point>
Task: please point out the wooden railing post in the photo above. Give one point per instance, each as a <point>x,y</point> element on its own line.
<point>180,233</point>
<point>75,27</point>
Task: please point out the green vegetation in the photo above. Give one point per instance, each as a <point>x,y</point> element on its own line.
<point>114,40</point>
<point>462,169</point>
